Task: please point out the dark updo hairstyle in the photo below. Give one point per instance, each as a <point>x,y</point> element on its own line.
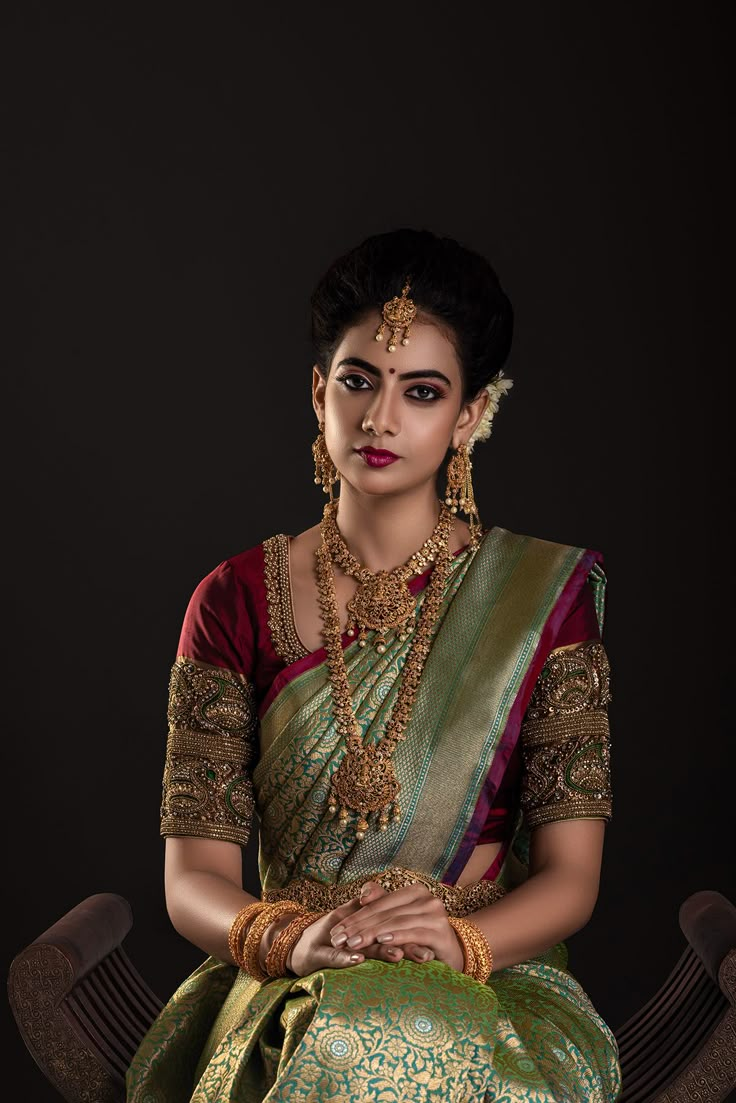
<point>454,285</point>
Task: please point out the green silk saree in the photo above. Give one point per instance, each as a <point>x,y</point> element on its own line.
<point>400,1032</point>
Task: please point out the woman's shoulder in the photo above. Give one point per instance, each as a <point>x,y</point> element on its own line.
<point>238,577</point>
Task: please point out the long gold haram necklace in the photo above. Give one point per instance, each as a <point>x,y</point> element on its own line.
<point>382,600</point>
<point>365,780</point>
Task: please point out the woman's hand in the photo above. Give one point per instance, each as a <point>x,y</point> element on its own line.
<point>314,949</point>
<point>411,920</point>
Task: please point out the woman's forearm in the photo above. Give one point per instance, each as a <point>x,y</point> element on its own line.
<point>550,906</point>
<point>202,907</point>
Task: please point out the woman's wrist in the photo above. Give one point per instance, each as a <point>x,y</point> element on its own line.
<point>270,935</point>
<point>456,951</point>
<point>476,950</point>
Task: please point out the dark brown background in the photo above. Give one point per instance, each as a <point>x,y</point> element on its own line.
<point>179,184</point>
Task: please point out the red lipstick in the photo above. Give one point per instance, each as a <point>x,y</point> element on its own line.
<point>377,457</point>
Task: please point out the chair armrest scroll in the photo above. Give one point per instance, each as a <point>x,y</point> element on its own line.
<point>708,921</point>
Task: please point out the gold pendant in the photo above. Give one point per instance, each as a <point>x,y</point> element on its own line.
<point>365,782</point>
<point>382,602</point>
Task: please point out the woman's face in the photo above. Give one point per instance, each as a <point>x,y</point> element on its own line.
<point>408,402</point>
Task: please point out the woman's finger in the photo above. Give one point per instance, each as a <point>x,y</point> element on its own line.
<point>378,952</point>
<point>363,930</point>
<point>379,905</point>
<point>417,953</point>
<point>409,929</point>
<point>337,915</point>
<point>339,959</point>
<point>371,891</point>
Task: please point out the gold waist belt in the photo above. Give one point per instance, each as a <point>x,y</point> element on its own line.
<point>319,897</point>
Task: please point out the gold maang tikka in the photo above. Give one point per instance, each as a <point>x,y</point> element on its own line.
<point>398,313</point>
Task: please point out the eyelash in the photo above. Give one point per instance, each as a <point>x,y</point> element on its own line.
<point>435,393</point>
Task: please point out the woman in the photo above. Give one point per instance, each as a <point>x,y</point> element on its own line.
<point>416,707</point>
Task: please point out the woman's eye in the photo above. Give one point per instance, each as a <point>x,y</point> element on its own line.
<point>352,382</point>
<point>427,393</point>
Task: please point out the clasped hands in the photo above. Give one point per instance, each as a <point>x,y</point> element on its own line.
<point>386,926</point>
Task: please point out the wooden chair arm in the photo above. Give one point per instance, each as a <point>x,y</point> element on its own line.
<point>80,1005</point>
<point>708,921</point>
<point>89,932</point>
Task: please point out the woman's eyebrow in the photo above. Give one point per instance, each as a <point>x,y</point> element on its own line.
<point>358,362</point>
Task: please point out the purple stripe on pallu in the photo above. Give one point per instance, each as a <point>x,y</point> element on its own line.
<point>505,749</point>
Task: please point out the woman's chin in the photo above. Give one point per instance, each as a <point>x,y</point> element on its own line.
<point>378,484</point>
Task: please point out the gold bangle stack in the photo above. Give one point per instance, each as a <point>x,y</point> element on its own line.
<point>256,931</point>
<point>236,936</point>
<point>257,917</point>
<point>477,953</point>
<point>285,941</point>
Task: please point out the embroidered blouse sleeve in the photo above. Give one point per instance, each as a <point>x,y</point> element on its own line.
<point>212,742</point>
<point>565,739</point>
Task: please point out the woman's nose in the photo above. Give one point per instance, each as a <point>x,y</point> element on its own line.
<point>382,415</point>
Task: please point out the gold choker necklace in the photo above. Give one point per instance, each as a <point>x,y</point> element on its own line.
<point>383,599</point>
<point>365,780</point>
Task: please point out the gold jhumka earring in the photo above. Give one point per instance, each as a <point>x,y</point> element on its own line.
<point>398,313</point>
<point>325,471</point>
<point>459,491</point>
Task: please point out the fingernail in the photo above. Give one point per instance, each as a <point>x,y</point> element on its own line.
<point>337,940</point>
<point>385,938</point>
<point>392,951</point>
<point>355,940</point>
<point>355,957</point>
<point>338,929</point>
<point>426,956</point>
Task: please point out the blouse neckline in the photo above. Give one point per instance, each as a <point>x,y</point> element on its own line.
<point>415,585</point>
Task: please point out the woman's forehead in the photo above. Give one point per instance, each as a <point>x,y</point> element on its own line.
<point>429,347</point>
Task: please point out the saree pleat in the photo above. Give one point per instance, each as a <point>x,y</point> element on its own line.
<point>398,1032</point>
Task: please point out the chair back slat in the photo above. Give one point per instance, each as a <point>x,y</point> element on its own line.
<point>146,1002</point>
<point>97,1032</point>
<point>108,999</point>
<point>686,972</point>
<point>661,1062</point>
<point>675,1014</point>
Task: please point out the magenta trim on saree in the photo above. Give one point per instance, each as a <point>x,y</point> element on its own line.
<point>510,736</point>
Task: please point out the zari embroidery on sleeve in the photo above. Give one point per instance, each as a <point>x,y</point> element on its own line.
<point>566,745</point>
<point>207,787</point>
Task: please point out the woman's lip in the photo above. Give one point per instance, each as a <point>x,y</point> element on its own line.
<point>376,457</point>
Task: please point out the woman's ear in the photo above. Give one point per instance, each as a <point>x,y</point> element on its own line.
<point>468,418</point>
<point>318,393</point>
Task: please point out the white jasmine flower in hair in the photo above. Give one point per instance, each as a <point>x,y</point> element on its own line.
<point>498,387</point>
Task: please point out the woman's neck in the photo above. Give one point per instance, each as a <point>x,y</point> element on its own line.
<point>383,531</point>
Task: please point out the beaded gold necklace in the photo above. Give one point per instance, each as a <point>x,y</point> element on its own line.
<point>365,780</point>
<point>383,599</point>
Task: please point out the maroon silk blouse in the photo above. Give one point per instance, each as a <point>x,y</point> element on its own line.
<point>226,624</point>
